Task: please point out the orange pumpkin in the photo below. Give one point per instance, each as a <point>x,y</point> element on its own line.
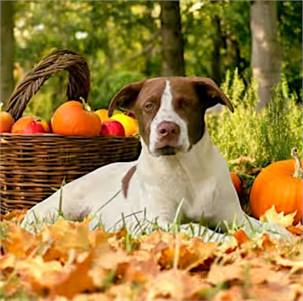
<point>71,118</point>
<point>237,182</point>
<point>279,184</point>
<point>6,122</point>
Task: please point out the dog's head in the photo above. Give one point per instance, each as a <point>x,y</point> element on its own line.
<point>170,110</point>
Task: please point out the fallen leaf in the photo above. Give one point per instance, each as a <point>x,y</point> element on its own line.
<point>64,236</point>
<point>19,241</point>
<point>272,216</point>
<point>296,230</point>
<point>15,216</point>
<point>174,284</point>
<point>295,265</point>
<point>241,237</point>
<point>136,271</point>
<point>272,292</point>
<point>224,273</point>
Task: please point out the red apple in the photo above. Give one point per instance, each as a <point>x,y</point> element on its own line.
<point>112,128</point>
<point>34,127</point>
<point>28,125</point>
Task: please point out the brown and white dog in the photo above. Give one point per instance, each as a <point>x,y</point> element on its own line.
<point>178,162</point>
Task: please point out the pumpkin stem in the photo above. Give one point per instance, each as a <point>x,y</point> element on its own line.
<point>85,104</point>
<point>298,164</point>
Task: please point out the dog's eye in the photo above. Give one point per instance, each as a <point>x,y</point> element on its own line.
<point>183,103</point>
<point>149,107</point>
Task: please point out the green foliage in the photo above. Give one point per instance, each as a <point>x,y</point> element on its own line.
<point>265,136</point>
<point>121,42</point>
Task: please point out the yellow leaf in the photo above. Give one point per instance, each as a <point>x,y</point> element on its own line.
<point>272,216</point>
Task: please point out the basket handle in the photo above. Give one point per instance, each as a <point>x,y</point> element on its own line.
<point>78,82</point>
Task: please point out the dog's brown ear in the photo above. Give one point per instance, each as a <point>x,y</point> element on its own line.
<point>126,97</point>
<point>210,93</point>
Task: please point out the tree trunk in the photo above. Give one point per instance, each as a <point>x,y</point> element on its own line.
<point>266,56</point>
<point>7,49</point>
<point>172,39</point>
<point>216,55</point>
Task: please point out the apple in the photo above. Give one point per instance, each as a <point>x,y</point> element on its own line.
<point>112,128</point>
<point>30,125</point>
<point>34,127</point>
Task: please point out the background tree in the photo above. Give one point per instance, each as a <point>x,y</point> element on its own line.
<point>7,49</point>
<point>172,40</point>
<point>122,42</point>
<point>265,55</point>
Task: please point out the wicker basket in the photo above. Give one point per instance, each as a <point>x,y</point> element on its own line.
<point>33,166</point>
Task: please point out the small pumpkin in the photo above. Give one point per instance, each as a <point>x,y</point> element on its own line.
<point>73,119</point>
<point>6,121</point>
<point>237,182</point>
<point>281,185</point>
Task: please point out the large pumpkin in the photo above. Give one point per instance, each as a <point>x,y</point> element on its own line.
<point>279,184</point>
<point>71,118</point>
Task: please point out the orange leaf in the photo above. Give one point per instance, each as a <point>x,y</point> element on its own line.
<point>296,230</point>
<point>176,285</point>
<point>65,236</point>
<point>241,237</point>
<point>19,241</point>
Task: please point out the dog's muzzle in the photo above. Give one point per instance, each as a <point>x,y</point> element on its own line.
<point>168,134</point>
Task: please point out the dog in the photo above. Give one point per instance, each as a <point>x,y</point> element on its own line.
<point>178,170</point>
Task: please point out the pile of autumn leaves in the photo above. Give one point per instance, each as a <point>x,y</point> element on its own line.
<point>66,261</point>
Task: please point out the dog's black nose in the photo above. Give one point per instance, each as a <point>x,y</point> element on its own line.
<point>168,129</point>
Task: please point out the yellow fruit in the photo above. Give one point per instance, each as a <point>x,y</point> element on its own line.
<point>103,114</point>
<point>130,124</point>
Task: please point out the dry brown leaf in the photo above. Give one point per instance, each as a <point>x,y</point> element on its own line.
<point>235,293</point>
<point>15,216</point>
<point>34,271</point>
<point>18,241</point>
<point>65,236</point>
<point>138,271</point>
<point>76,278</point>
<point>104,260</point>
<point>123,292</point>
<point>296,230</point>
<point>224,273</point>
<point>7,261</point>
<point>174,284</point>
<point>272,292</point>
<point>295,265</point>
<point>91,297</point>
<point>53,278</point>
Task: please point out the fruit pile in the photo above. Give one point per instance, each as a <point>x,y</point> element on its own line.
<point>72,119</point>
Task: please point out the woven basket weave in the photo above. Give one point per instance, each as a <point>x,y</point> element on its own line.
<point>32,167</point>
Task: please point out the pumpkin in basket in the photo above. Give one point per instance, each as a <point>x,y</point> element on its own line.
<point>6,122</point>
<point>71,118</point>
<point>281,185</point>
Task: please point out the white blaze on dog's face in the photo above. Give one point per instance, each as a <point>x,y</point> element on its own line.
<point>170,110</point>
<point>168,130</point>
